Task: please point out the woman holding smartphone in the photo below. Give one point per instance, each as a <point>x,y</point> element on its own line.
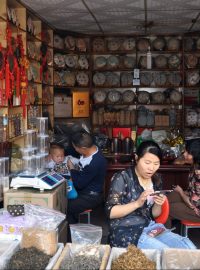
<point>185,204</point>
<point>132,207</point>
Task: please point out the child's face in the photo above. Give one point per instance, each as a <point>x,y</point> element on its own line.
<point>57,155</point>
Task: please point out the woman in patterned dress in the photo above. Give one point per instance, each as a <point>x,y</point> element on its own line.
<point>132,207</point>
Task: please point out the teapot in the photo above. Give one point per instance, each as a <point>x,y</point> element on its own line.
<point>127,145</point>
<point>116,145</point>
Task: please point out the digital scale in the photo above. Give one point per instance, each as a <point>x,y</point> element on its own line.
<point>45,180</point>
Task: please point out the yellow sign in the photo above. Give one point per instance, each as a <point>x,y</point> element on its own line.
<point>80,104</point>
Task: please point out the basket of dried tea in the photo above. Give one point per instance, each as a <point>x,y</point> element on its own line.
<point>29,258</point>
<point>133,258</point>
<point>76,256</point>
<point>175,258</point>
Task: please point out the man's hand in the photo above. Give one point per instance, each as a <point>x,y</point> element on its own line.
<point>70,165</point>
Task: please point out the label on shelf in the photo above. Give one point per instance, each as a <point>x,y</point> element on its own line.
<point>136,73</point>
<point>136,82</point>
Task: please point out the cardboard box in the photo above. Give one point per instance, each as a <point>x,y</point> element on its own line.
<point>55,198</point>
<point>81,104</point>
<point>62,106</point>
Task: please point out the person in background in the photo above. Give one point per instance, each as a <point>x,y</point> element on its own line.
<point>190,152</point>
<point>186,204</point>
<point>58,162</point>
<point>89,179</point>
<point>132,205</point>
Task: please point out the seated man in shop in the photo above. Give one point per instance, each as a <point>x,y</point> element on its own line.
<point>89,179</point>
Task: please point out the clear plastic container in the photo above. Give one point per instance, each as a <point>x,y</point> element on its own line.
<point>42,125</point>
<point>29,165</point>
<point>40,163</point>
<point>38,158</point>
<point>44,160</point>
<point>30,138</point>
<point>43,143</point>
<point>2,167</point>
<point>28,151</point>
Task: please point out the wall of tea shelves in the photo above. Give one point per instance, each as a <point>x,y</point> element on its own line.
<point>104,66</point>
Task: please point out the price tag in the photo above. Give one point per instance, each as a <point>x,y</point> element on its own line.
<point>136,81</point>
<point>136,73</point>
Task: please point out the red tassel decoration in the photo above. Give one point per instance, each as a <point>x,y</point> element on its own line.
<point>18,82</point>
<point>7,82</point>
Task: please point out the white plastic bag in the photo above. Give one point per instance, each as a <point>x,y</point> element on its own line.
<point>42,217</point>
<point>85,234</point>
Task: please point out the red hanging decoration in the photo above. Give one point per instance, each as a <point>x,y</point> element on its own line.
<point>2,76</point>
<point>24,64</point>
<point>8,90</point>
<point>18,82</point>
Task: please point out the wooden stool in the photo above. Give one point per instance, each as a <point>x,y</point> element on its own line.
<point>86,212</point>
<point>186,224</point>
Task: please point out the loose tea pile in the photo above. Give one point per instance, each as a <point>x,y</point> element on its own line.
<point>28,258</point>
<point>134,258</point>
<point>88,258</point>
<point>81,262</point>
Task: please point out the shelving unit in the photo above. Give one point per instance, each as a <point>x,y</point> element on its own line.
<point>22,25</point>
<point>71,73</point>
<point>191,85</point>
<point>149,104</point>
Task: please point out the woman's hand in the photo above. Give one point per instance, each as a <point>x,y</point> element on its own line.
<point>159,199</point>
<point>184,196</point>
<point>143,197</point>
<point>178,189</point>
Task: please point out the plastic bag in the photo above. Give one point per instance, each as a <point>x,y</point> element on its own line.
<point>85,234</point>
<point>42,239</point>
<point>42,217</point>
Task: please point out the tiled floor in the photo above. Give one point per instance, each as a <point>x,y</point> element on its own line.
<point>98,218</point>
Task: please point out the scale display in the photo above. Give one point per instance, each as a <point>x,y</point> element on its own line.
<point>46,180</point>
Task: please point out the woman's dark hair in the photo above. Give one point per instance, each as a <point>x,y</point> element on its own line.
<point>82,139</point>
<point>193,148</point>
<point>149,147</point>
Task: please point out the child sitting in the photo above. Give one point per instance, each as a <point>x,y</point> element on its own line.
<point>58,162</point>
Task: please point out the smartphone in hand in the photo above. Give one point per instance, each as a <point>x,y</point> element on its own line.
<point>164,191</point>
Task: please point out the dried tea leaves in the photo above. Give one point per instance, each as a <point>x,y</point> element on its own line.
<point>134,258</point>
<point>28,258</point>
<point>85,258</point>
<point>81,262</point>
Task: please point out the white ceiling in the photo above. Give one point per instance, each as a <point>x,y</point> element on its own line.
<point>120,16</point>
